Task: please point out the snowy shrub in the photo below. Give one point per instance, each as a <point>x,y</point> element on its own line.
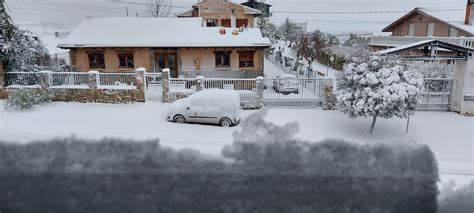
<point>24,99</point>
<point>379,88</point>
<point>434,70</point>
<point>459,201</point>
<point>266,169</point>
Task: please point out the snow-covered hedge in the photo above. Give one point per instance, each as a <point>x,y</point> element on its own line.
<point>457,200</point>
<point>25,99</point>
<point>266,170</point>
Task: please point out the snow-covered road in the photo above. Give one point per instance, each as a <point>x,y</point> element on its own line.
<point>449,135</point>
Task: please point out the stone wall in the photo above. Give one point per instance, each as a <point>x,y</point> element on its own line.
<point>92,94</point>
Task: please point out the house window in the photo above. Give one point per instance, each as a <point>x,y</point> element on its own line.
<point>400,32</point>
<point>211,22</point>
<point>96,61</point>
<point>453,32</point>
<point>411,30</point>
<point>126,60</point>
<point>242,23</point>
<point>246,59</point>
<point>222,59</point>
<point>226,23</point>
<point>430,30</point>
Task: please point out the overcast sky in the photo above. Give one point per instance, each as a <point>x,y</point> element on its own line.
<point>72,12</point>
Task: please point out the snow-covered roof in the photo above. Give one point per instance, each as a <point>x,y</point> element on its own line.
<point>453,18</point>
<point>399,48</point>
<point>158,32</point>
<point>442,44</point>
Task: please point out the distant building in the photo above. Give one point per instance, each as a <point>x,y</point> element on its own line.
<point>424,24</point>
<point>259,5</point>
<point>180,44</point>
<point>302,26</point>
<point>223,13</point>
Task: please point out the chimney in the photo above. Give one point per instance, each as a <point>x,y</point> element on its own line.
<point>469,12</point>
<point>233,19</point>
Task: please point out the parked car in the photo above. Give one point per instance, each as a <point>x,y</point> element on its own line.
<point>211,106</point>
<point>286,84</point>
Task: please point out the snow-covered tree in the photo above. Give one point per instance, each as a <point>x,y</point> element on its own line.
<point>288,31</point>
<point>433,69</point>
<point>25,52</point>
<point>380,87</point>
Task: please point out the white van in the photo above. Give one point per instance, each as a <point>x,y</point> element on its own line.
<point>211,106</point>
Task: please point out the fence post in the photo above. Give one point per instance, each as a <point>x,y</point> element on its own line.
<point>166,85</point>
<point>2,76</point>
<point>260,89</point>
<point>140,79</point>
<point>93,79</point>
<point>200,83</point>
<point>45,79</point>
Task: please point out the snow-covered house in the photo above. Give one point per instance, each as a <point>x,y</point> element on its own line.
<point>181,44</point>
<point>422,24</point>
<point>223,13</point>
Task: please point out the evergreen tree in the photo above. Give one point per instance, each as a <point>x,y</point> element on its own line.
<point>380,87</point>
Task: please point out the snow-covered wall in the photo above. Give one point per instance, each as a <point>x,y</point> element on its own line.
<point>463,87</point>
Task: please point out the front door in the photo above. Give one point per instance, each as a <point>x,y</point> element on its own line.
<point>167,60</point>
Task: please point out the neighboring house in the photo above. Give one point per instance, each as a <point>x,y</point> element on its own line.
<point>259,5</point>
<point>223,13</point>
<point>180,44</point>
<point>424,24</point>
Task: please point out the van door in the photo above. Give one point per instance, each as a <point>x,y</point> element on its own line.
<point>196,111</point>
<point>213,110</point>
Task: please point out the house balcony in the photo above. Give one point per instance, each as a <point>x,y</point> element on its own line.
<point>395,41</point>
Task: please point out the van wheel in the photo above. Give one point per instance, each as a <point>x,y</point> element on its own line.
<point>225,122</point>
<point>179,119</point>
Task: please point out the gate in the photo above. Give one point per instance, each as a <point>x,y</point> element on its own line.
<point>154,89</point>
<point>436,94</point>
<point>295,92</point>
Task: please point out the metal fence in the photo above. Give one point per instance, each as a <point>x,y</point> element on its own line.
<point>22,79</point>
<point>436,94</point>
<point>295,92</point>
<point>230,84</point>
<point>116,80</point>
<point>183,85</point>
<point>70,80</point>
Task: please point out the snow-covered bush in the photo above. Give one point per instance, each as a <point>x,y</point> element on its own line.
<point>24,99</point>
<point>434,70</point>
<point>456,200</point>
<point>379,87</point>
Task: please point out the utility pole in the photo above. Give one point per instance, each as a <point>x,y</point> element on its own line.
<point>126,10</point>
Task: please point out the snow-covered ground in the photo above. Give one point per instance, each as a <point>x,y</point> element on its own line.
<point>449,135</point>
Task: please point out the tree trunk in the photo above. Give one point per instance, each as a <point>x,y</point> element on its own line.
<point>373,124</point>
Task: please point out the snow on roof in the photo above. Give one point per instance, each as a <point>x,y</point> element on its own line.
<point>453,18</point>
<point>397,49</point>
<point>158,32</point>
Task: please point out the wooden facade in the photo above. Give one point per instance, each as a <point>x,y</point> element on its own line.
<point>419,23</point>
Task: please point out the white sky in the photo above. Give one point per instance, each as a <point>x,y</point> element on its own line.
<point>72,12</point>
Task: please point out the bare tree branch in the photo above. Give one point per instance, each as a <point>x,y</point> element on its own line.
<point>159,8</point>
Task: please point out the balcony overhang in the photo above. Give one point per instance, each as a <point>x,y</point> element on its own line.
<point>428,50</point>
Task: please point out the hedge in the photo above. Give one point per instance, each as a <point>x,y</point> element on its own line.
<point>73,175</point>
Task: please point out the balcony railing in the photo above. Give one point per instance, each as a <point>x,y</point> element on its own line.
<point>395,41</point>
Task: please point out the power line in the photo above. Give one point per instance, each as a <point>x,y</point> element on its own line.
<point>366,12</point>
